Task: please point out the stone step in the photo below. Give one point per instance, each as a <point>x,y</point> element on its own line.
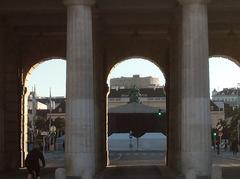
<point>137,172</point>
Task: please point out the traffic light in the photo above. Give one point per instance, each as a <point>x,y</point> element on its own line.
<point>159,112</point>
<point>214,134</point>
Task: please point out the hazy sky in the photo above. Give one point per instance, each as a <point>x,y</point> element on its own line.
<point>223,74</point>
<point>49,74</point>
<point>52,74</point>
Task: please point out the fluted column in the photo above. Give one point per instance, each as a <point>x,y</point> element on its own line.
<point>195,121</point>
<point>80,132</point>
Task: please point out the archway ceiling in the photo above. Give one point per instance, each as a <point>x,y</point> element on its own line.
<point>151,14</point>
<point>116,17</point>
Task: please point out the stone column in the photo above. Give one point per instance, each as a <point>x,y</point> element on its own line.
<point>100,103</point>
<point>195,120</point>
<point>80,124</point>
<point>174,137</point>
<point>2,162</point>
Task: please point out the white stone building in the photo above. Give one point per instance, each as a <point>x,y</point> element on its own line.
<point>136,80</point>
<point>229,96</point>
<point>154,97</point>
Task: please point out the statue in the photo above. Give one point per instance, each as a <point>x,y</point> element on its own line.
<point>134,95</point>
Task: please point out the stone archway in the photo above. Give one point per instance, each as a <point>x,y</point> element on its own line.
<point>145,89</point>
<point>24,108</point>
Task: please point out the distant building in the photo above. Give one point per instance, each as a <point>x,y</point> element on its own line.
<point>45,107</point>
<point>51,112</point>
<point>154,97</point>
<point>58,112</point>
<point>229,96</point>
<point>217,113</point>
<point>33,102</point>
<point>136,80</point>
<point>42,103</point>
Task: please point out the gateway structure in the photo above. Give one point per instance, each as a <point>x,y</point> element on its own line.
<point>177,35</point>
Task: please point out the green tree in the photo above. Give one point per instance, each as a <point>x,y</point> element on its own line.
<point>233,126</point>
<point>40,123</point>
<point>59,123</point>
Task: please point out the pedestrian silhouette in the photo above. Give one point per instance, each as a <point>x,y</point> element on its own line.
<point>235,147</point>
<point>33,160</point>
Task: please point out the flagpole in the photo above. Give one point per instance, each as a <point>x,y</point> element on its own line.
<point>50,120</point>
<point>34,110</point>
<point>50,110</point>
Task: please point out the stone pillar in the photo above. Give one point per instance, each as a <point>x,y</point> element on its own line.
<point>195,120</point>
<point>174,137</point>
<point>11,87</point>
<point>2,162</point>
<point>80,124</point>
<point>101,90</point>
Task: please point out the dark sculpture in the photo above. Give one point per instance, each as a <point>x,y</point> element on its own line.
<point>134,95</point>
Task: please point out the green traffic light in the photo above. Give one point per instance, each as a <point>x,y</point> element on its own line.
<point>159,112</point>
<point>215,134</point>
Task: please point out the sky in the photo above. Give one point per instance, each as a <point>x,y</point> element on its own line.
<point>223,73</point>
<point>49,74</point>
<point>137,66</point>
<point>52,74</point>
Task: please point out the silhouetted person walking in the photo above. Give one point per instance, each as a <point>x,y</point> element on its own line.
<point>32,163</point>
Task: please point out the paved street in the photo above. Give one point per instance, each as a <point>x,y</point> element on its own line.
<point>230,164</point>
<point>54,159</point>
<point>137,158</point>
<point>152,158</point>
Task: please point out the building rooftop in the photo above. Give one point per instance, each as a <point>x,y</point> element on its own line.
<point>145,92</point>
<point>227,91</point>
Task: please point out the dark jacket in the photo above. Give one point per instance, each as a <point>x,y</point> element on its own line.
<point>32,159</point>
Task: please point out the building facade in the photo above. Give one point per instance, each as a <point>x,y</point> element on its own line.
<point>230,96</point>
<point>156,97</point>
<point>136,80</point>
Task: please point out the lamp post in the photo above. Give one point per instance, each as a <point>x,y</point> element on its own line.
<point>238,96</point>
<point>238,105</point>
<point>238,124</point>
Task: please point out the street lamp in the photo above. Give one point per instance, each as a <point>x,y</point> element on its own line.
<point>238,124</point>
<point>52,137</point>
<point>238,95</point>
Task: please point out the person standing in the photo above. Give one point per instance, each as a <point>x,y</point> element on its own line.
<point>235,147</point>
<point>32,162</point>
<point>218,147</point>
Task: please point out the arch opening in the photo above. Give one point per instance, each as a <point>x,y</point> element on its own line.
<point>43,109</point>
<point>225,106</point>
<point>136,113</point>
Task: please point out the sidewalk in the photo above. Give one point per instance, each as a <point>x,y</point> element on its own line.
<point>54,159</point>
<point>227,155</point>
<point>46,173</point>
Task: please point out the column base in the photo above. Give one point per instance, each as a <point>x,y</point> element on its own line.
<point>204,177</point>
<point>2,162</point>
<point>80,164</point>
<point>199,162</point>
<point>60,173</point>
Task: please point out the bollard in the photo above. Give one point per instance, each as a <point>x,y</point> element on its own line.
<point>216,172</point>
<point>60,173</point>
